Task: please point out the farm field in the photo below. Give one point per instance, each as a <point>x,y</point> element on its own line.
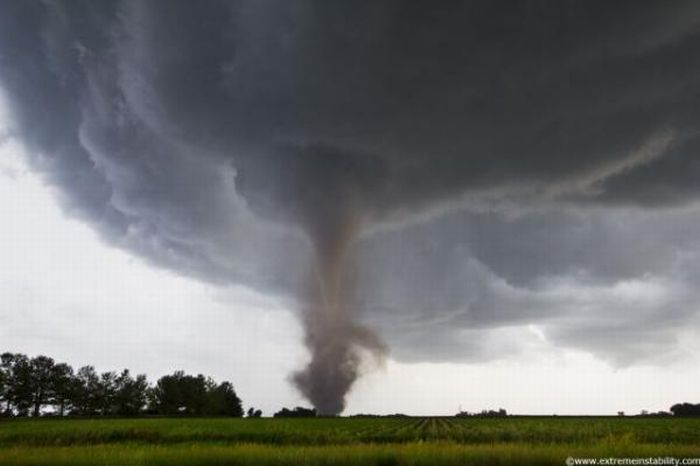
<point>343,441</point>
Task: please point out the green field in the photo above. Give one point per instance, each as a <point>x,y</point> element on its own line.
<point>344,441</point>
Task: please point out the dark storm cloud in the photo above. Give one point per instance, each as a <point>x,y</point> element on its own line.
<point>616,282</point>
<point>493,163</point>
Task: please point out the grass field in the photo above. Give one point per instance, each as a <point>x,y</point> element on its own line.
<point>342,441</point>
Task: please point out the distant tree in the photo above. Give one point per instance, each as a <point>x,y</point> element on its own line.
<point>21,389</point>
<point>685,409</point>
<point>86,388</point>
<point>181,394</point>
<point>253,413</point>
<point>62,387</point>
<point>166,396</point>
<point>130,394</point>
<point>296,412</point>
<point>484,413</point>
<point>646,413</point>
<point>28,386</point>
<point>195,392</point>
<point>106,393</point>
<point>41,372</point>
<point>5,383</point>
<point>223,401</point>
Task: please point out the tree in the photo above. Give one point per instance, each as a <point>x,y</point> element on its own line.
<point>685,409</point>
<point>41,371</point>
<point>195,392</point>
<point>28,386</point>
<point>223,401</point>
<point>181,394</point>
<point>5,376</point>
<point>296,412</point>
<point>253,413</point>
<point>20,391</point>
<point>184,394</point>
<point>484,413</point>
<point>130,394</point>
<point>106,393</point>
<point>86,391</point>
<point>62,387</point>
<point>166,395</point>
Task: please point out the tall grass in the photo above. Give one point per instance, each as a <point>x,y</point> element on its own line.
<point>341,441</point>
<point>321,431</point>
<point>362,454</point>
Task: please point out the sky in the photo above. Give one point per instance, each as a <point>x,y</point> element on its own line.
<point>371,207</point>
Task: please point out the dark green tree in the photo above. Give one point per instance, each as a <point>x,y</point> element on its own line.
<point>184,394</point>
<point>21,386</point>
<point>6,365</point>
<point>28,386</point>
<point>299,411</point>
<point>168,395</point>
<point>130,394</point>
<point>106,393</point>
<point>685,410</point>
<point>62,388</point>
<point>41,372</point>
<point>86,391</point>
<point>224,401</point>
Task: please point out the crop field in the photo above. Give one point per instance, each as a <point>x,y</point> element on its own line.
<point>343,441</point>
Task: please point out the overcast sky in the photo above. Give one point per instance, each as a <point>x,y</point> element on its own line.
<point>508,197</point>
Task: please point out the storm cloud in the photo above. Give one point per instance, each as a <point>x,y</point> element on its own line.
<point>442,171</point>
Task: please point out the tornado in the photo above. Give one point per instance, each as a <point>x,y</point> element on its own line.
<point>319,189</point>
<point>334,337</point>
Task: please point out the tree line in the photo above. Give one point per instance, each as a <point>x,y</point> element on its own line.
<point>484,413</point>
<point>299,411</point>
<point>40,386</point>
<point>686,409</point>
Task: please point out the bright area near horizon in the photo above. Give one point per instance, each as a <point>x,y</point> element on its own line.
<point>68,295</point>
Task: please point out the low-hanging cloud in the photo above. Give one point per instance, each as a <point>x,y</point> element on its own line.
<point>434,169</point>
